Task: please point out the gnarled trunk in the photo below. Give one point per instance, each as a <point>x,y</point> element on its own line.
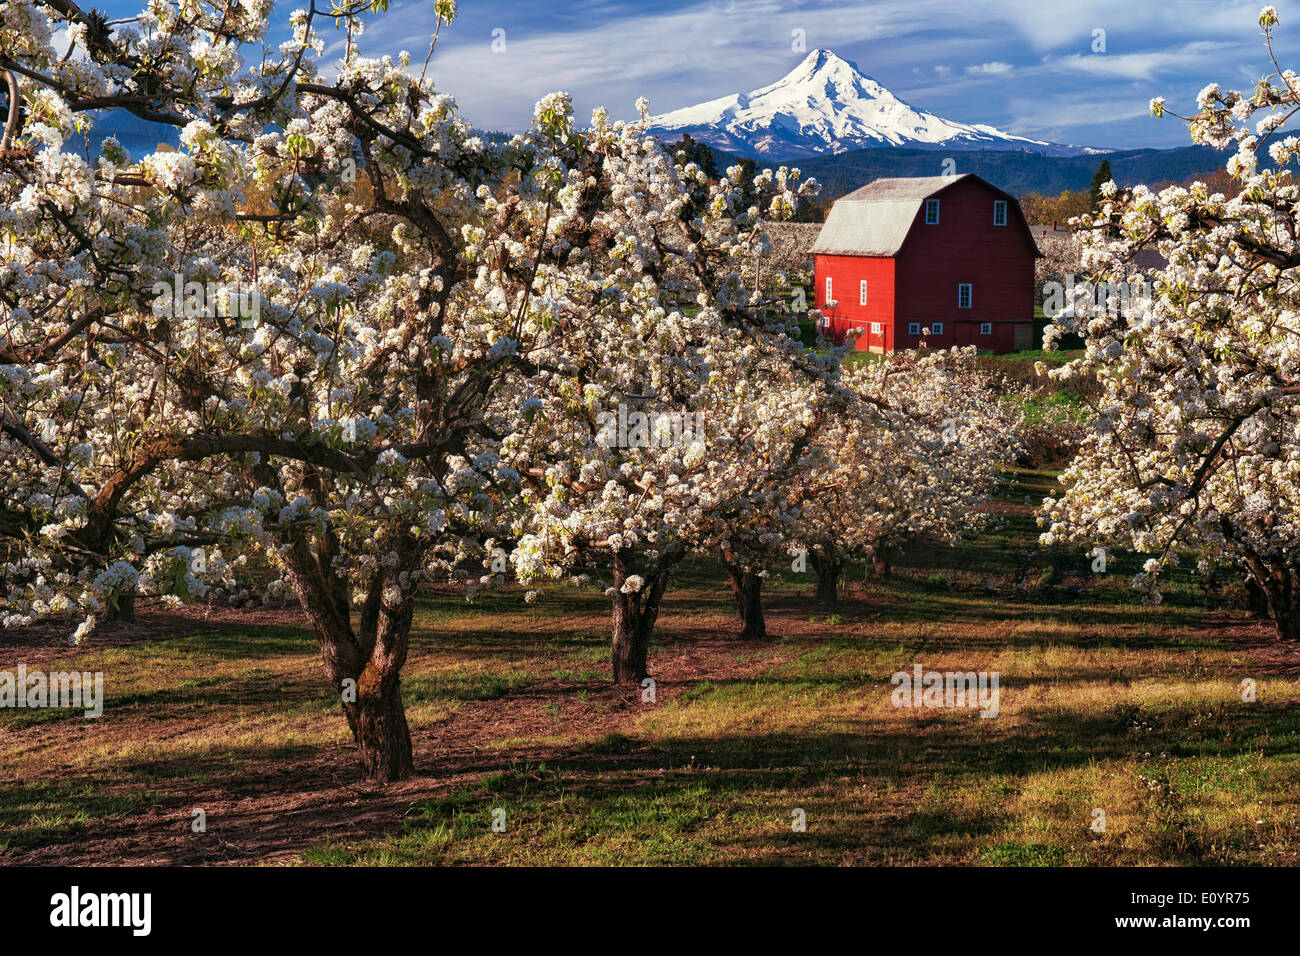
<point>828,572</point>
<point>1281,591</point>
<point>747,586</point>
<point>1256,599</point>
<point>1287,624</point>
<point>633,620</point>
<point>365,664</point>
<point>378,722</point>
<point>882,564</point>
<point>631,640</point>
<point>122,608</point>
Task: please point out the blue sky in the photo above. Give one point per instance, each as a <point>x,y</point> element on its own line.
<point>1027,66</point>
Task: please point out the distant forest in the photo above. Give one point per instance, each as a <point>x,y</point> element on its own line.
<point>1030,177</point>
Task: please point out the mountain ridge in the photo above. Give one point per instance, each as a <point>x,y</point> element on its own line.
<point>1015,171</point>
<point>826,105</point>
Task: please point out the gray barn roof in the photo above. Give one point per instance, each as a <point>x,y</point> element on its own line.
<point>874,220</point>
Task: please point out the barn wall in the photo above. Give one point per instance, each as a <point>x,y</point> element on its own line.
<point>965,246</point>
<point>845,273</point>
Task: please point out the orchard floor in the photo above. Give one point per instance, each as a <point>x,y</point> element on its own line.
<point>1104,705</point>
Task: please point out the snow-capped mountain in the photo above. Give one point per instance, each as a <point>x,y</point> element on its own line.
<point>827,105</point>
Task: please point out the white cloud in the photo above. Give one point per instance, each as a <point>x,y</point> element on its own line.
<point>1142,66</point>
<point>1053,119</point>
<point>992,68</point>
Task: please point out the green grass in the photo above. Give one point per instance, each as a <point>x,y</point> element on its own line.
<point>1053,408</point>
<point>1056,357</point>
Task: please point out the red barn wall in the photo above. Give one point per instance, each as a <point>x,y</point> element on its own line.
<point>845,273</point>
<point>965,246</point>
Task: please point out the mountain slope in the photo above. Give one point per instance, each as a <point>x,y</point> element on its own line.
<point>138,137</point>
<point>826,105</point>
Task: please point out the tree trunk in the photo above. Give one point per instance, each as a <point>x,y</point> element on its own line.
<point>364,664</point>
<point>1281,588</point>
<point>747,586</point>
<point>631,645</point>
<point>378,722</point>
<point>123,609</point>
<point>1256,599</point>
<point>828,578</point>
<point>881,564</point>
<point>1288,624</point>
<point>634,616</point>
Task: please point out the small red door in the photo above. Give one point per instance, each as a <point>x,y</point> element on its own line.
<point>1004,337</point>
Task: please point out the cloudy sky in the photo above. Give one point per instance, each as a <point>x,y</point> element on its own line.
<point>1061,70</point>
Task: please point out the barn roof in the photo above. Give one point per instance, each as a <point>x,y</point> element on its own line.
<point>875,220</point>
<point>903,189</point>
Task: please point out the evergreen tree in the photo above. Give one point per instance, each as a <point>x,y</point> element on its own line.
<point>745,182</point>
<point>1103,176</point>
<point>696,152</point>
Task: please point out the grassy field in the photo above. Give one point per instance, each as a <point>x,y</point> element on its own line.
<point>1104,704</point>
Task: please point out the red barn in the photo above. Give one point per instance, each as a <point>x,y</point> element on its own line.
<point>946,258</point>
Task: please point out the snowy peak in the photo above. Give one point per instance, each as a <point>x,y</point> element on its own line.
<point>824,72</point>
<point>821,67</point>
<point>827,105</point>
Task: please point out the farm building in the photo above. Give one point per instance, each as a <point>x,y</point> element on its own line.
<point>946,258</point>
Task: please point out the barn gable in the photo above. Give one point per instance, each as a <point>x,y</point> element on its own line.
<point>877,219</point>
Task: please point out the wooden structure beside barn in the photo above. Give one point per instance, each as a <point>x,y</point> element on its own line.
<point>944,259</point>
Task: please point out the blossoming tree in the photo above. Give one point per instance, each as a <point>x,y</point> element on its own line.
<point>924,446</point>
<point>660,385</point>
<point>1197,440</point>
<point>192,378</point>
<point>292,355</point>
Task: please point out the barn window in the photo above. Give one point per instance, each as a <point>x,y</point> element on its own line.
<point>963,295</point>
<point>932,212</point>
<point>986,328</point>
<point>936,328</point>
<point>999,212</point>
<point>875,328</point>
<point>913,328</point>
<point>862,292</point>
<point>828,290</point>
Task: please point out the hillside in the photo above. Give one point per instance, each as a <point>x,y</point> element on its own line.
<point>1018,172</point>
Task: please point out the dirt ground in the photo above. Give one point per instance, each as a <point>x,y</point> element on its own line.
<point>274,809</point>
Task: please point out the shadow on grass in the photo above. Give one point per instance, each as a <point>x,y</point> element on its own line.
<point>621,789</point>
